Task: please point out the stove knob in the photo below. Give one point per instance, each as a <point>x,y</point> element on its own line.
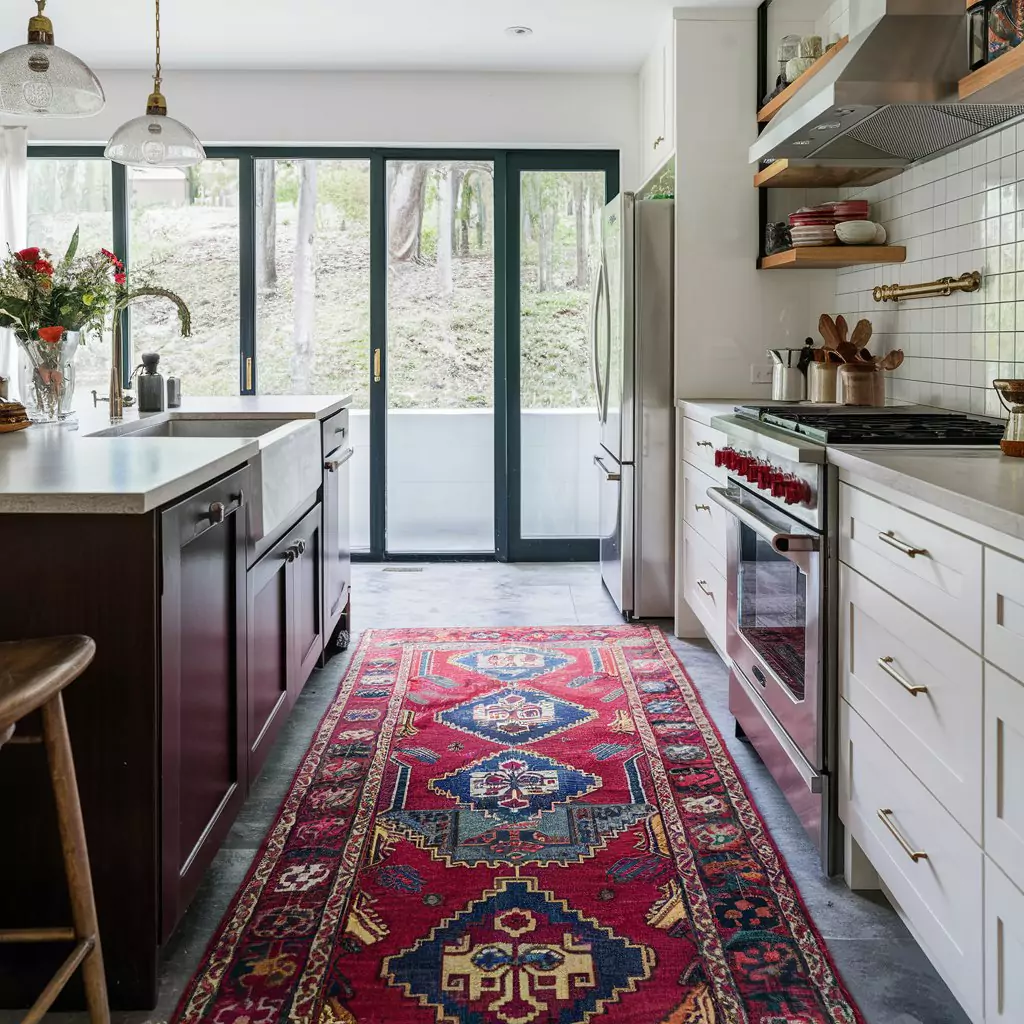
<point>740,463</point>
<point>731,459</point>
<point>765,472</point>
<point>779,485</point>
<point>719,456</point>
<point>753,467</point>
<point>797,492</point>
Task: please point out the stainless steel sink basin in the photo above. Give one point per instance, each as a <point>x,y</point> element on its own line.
<point>285,473</point>
<point>183,426</point>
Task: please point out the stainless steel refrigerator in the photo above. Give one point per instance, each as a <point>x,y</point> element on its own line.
<point>632,335</point>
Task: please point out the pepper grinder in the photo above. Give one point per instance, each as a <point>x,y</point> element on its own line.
<point>151,384</point>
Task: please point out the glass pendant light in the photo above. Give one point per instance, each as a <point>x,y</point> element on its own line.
<point>155,140</point>
<point>42,80</point>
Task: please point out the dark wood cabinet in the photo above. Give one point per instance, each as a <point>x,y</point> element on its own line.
<point>270,652</point>
<point>203,699</point>
<point>337,548</point>
<point>285,635</point>
<point>307,597</point>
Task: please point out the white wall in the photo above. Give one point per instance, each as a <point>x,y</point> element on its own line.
<point>379,108</point>
<point>728,313</point>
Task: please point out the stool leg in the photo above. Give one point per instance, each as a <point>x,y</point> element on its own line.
<point>76,855</point>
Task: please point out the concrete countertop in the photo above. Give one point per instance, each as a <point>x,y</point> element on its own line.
<point>61,469</point>
<point>980,484</point>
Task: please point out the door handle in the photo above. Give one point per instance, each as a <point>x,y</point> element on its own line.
<point>376,366</point>
<point>216,513</point>
<point>612,477</point>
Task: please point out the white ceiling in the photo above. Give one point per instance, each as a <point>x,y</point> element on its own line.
<point>569,35</point>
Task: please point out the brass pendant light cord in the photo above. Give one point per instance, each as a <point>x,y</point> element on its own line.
<point>157,104</point>
<point>157,79</point>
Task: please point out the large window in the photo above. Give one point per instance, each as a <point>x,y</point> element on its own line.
<point>64,195</point>
<point>184,233</point>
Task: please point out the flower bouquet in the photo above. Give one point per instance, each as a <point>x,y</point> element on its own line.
<point>50,308</point>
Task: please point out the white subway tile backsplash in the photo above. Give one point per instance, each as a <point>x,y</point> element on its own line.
<point>963,211</point>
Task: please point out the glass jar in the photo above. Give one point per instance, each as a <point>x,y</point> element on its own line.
<point>51,387</point>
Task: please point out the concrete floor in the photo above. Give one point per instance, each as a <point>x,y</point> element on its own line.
<point>885,970</point>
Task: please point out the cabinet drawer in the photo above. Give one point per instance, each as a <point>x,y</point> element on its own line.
<point>1004,948</point>
<point>937,732</point>
<point>702,514</point>
<point>704,584</point>
<point>699,444</point>
<point>335,431</point>
<point>934,570</point>
<point>941,892</point>
<point>1004,772</point>
<point>1004,612</point>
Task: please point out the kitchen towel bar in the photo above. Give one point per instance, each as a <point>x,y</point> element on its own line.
<point>969,282</point>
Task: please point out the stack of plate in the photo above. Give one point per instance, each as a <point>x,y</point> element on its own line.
<point>812,227</point>
<point>851,209</point>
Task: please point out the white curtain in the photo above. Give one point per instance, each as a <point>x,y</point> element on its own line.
<point>13,226</point>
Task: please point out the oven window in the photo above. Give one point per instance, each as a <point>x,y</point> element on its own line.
<point>771,611</point>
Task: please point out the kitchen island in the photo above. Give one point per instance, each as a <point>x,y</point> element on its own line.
<point>206,551</point>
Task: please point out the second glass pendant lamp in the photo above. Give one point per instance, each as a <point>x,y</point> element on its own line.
<point>155,140</point>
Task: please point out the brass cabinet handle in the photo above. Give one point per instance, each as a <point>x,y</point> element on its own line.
<point>333,465</point>
<point>893,541</point>
<point>886,663</point>
<point>300,546</point>
<point>701,508</point>
<point>216,512</point>
<point>291,552</point>
<point>885,814</point>
<point>703,584</point>
<point>658,141</point>
<point>705,444</point>
<point>376,366</point>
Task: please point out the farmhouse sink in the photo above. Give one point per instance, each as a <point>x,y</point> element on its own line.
<point>285,473</point>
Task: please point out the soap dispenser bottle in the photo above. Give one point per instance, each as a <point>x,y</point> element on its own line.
<point>150,384</point>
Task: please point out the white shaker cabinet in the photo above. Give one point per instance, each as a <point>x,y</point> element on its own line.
<point>1004,948</point>
<point>658,105</point>
<point>1004,774</point>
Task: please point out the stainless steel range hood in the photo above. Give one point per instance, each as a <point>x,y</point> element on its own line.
<point>889,95</point>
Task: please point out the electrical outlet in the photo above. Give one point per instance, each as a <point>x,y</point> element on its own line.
<point>760,373</point>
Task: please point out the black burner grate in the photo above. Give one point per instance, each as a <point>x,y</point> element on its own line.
<point>885,427</point>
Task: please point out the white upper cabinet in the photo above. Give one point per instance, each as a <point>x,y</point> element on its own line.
<point>658,105</point>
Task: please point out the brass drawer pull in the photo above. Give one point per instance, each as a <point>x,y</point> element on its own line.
<point>885,664</point>
<point>885,814</point>
<point>705,444</point>
<point>703,584</point>
<point>701,508</point>
<point>893,541</point>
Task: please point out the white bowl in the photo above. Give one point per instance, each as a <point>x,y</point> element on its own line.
<point>857,232</point>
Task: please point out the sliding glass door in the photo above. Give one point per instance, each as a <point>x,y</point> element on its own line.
<point>440,357</point>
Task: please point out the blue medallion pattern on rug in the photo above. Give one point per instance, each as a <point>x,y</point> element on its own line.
<point>515,785</point>
<point>516,715</point>
<point>512,664</point>
<point>518,954</point>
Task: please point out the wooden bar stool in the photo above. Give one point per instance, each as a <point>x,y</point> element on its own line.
<point>32,675</point>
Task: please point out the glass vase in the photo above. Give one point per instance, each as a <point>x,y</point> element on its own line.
<point>51,388</point>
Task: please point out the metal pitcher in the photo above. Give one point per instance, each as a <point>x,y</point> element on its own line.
<point>788,381</point>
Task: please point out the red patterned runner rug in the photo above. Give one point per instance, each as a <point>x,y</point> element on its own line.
<point>517,826</point>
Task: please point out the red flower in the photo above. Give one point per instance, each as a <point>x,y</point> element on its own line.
<point>51,335</point>
<point>43,267</point>
<point>113,259</point>
<point>28,255</point>
<point>120,278</point>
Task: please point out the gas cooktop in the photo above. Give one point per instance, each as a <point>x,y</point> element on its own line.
<point>892,426</point>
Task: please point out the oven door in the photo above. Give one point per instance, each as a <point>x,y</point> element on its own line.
<point>775,608</point>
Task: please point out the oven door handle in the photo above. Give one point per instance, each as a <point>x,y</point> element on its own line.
<point>795,546</point>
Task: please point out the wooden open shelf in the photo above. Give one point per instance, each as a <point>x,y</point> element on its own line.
<point>770,109</point>
<point>1002,81</point>
<point>807,174</point>
<point>833,257</point>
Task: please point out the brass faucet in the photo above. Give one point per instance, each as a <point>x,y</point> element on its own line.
<point>117,396</point>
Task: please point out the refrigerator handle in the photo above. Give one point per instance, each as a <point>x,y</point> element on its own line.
<point>608,342</point>
<point>595,315</point>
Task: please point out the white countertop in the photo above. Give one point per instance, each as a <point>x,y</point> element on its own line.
<point>980,484</point>
<point>60,469</point>
<point>703,410</point>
